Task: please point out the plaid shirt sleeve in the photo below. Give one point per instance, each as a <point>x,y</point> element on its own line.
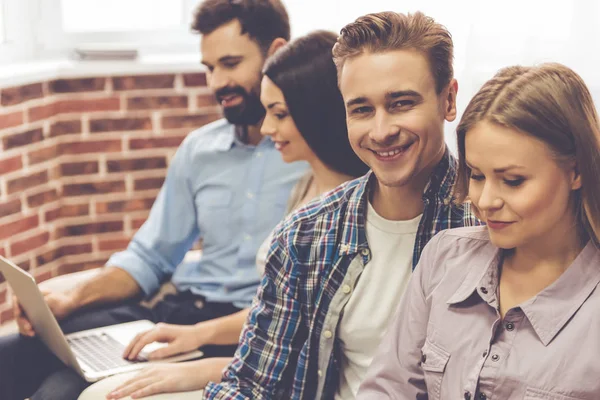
<point>268,343</point>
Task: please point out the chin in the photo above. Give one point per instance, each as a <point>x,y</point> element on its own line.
<point>502,241</point>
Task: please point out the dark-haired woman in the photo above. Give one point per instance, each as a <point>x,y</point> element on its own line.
<point>307,121</point>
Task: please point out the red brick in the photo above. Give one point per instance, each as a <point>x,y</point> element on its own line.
<point>37,200</point>
<point>206,100</point>
<point>143,82</point>
<point>120,124</point>
<point>67,211</point>
<point>124,205</point>
<point>6,315</point>
<point>43,276</point>
<point>157,102</point>
<point>29,244</point>
<point>65,128</point>
<point>113,244</point>
<point>102,146</point>
<point>42,112</point>
<point>10,165</point>
<point>93,228</point>
<point>19,94</point>
<point>86,189</point>
<point>89,105</point>
<point>196,79</point>
<point>22,225</point>
<point>153,143</point>
<point>188,121</point>
<point>42,155</point>
<point>79,168</point>
<point>26,182</point>
<point>10,208</point>
<point>148,183</point>
<point>77,85</point>
<point>67,250</point>
<point>137,164</point>
<point>10,120</point>
<point>138,222</point>
<point>23,139</point>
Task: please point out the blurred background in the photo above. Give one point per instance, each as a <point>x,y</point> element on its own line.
<point>85,144</point>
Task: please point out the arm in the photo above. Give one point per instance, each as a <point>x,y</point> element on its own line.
<point>396,371</point>
<point>269,342</point>
<point>170,230</point>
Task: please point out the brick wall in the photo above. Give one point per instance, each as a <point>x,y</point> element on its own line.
<point>82,161</point>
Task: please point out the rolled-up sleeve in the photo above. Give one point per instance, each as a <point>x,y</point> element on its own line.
<point>168,233</point>
<point>395,372</point>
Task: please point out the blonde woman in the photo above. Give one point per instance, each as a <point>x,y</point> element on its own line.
<point>509,311</point>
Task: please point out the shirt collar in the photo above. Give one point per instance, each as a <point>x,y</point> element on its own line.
<point>548,311</point>
<point>354,236</point>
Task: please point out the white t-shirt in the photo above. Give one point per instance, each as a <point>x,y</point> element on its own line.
<point>375,297</point>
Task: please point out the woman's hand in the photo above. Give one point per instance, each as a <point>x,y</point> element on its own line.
<point>169,378</point>
<point>180,339</point>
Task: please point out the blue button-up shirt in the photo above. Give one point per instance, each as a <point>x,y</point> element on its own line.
<point>226,192</point>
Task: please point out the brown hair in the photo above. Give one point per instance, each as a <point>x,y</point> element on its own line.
<point>263,20</point>
<point>388,31</point>
<point>551,103</point>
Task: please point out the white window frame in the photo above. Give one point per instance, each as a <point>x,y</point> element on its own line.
<point>19,36</point>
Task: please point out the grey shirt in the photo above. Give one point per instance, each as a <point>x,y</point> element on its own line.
<point>448,340</point>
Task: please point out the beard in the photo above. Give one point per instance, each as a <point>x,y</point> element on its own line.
<point>249,112</point>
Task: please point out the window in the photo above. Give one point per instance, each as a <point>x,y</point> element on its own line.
<point>2,33</point>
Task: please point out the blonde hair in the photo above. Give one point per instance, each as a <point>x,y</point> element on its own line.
<point>551,103</point>
<point>388,31</point>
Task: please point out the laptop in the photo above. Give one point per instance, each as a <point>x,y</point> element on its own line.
<point>94,354</point>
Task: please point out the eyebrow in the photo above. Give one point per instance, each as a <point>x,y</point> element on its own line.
<point>274,104</point>
<point>389,96</point>
<point>499,170</point>
<point>225,59</point>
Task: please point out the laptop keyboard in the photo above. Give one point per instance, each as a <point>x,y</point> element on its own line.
<point>100,351</point>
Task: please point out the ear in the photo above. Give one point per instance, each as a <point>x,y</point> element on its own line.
<point>450,106</point>
<point>276,45</point>
<point>575,177</point>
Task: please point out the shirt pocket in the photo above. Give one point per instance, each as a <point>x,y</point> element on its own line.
<point>433,361</point>
<point>537,394</point>
<point>214,215</point>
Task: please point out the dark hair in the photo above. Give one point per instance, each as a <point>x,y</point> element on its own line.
<point>263,20</point>
<point>304,71</point>
<point>388,31</point>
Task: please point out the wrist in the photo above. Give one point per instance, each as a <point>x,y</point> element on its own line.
<point>206,332</point>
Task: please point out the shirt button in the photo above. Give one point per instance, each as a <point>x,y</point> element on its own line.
<point>467,395</point>
<point>347,289</point>
<point>328,334</point>
<point>247,237</point>
<point>510,326</point>
<point>495,357</point>
<point>259,154</point>
<point>482,396</point>
<point>483,290</point>
<point>250,195</point>
<point>365,252</point>
<point>320,373</point>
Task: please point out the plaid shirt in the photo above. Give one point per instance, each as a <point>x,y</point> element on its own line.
<point>288,348</point>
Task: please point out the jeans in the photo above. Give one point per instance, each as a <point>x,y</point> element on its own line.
<point>29,369</point>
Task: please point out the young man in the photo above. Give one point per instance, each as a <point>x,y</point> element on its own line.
<point>225,184</point>
<point>337,268</point>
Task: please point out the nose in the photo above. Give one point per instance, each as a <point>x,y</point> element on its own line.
<point>268,127</point>
<point>489,198</point>
<point>383,128</point>
<point>217,79</point>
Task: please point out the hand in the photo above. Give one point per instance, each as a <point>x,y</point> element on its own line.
<point>180,339</point>
<point>169,378</point>
<point>60,304</point>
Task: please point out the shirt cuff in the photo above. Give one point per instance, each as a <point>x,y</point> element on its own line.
<point>139,271</point>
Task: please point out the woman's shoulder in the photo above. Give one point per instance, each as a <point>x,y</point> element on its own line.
<point>453,253</point>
